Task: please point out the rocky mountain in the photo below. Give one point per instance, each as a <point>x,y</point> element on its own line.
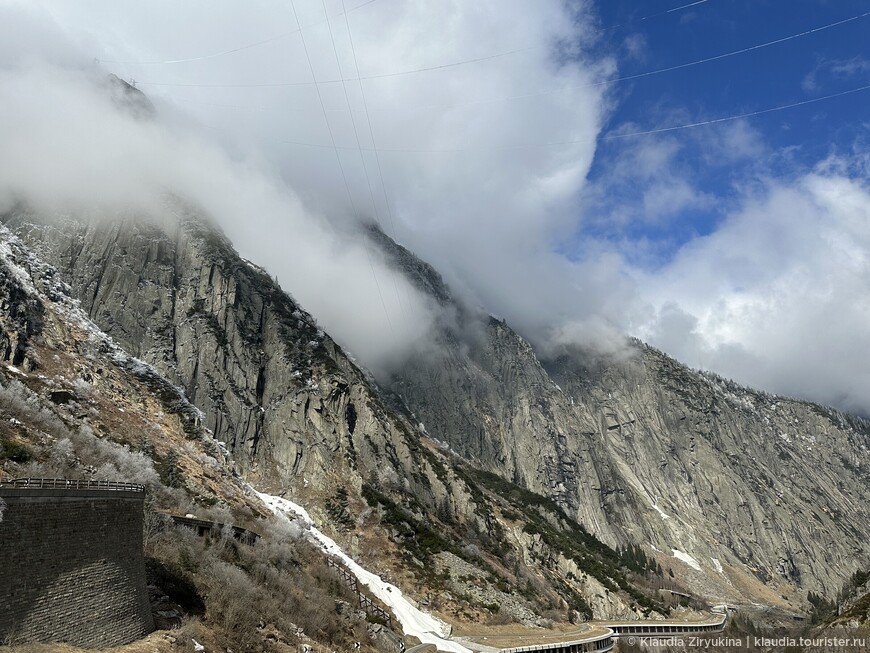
<point>491,480</point>
<point>64,379</point>
<point>75,405</point>
<point>300,418</point>
<point>746,494</point>
<point>221,329</point>
<point>129,99</point>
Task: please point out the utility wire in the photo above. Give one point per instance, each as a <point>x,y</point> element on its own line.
<point>338,159</point>
<point>650,73</point>
<point>735,52</point>
<point>605,82</point>
<point>691,4</point>
<point>371,135</point>
<point>748,114</point>
<point>610,136</point>
<point>649,16</point>
<point>657,71</point>
<point>222,53</point>
<point>346,11</point>
<point>350,112</point>
<point>363,163</point>
<point>505,53</point>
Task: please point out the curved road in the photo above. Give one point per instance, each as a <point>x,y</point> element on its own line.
<point>600,637</point>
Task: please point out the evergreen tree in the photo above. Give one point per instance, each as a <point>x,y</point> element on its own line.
<point>173,473</point>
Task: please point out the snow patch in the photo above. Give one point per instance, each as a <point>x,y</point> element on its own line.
<point>427,628</point>
<point>661,512</point>
<point>685,557</point>
<point>717,565</point>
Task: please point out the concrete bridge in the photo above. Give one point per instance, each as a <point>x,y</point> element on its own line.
<point>602,640</point>
<point>648,629</point>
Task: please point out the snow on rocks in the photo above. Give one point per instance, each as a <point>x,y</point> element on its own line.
<point>425,627</point>
<point>661,512</point>
<point>685,557</point>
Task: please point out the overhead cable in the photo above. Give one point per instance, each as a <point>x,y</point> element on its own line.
<point>340,164</point>
<point>604,82</point>
<point>372,137</point>
<point>345,12</point>
<point>609,136</point>
<point>362,161</point>
<point>248,46</point>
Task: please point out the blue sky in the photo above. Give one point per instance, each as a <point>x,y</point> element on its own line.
<point>790,142</point>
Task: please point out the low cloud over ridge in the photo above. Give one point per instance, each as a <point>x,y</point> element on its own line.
<point>485,170</point>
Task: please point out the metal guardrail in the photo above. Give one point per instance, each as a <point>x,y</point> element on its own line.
<point>71,484</point>
<point>642,630</point>
<point>628,627</point>
<point>596,644</point>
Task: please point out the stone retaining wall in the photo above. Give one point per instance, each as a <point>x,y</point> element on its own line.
<point>72,567</point>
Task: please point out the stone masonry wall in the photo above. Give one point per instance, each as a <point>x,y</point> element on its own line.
<point>71,567</point>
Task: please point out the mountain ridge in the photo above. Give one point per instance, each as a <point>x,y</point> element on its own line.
<point>287,388</point>
<point>706,476</point>
<point>582,404</point>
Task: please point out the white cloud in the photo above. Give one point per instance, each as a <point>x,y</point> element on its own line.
<point>834,69</point>
<point>486,214</point>
<point>671,197</point>
<point>644,182</point>
<point>779,296</point>
<point>730,142</point>
<point>67,148</point>
<point>635,46</point>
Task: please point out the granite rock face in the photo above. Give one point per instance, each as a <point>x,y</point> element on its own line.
<point>744,496</point>
<point>294,415</point>
<point>744,493</point>
<point>276,389</point>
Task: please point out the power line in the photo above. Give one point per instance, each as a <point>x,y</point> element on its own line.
<point>610,136</point>
<point>362,162</point>
<point>323,109</point>
<point>222,53</point>
<point>748,114</point>
<point>345,12</point>
<point>657,71</point>
<point>691,4</point>
<point>517,50</point>
<point>372,137</point>
<point>605,82</point>
<point>648,17</point>
<point>737,52</point>
<point>350,110</point>
<point>338,159</point>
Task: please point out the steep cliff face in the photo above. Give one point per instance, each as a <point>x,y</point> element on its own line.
<point>273,386</point>
<point>65,384</point>
<point>299,417</point>
<point>733,477</point>
<point>744,496</point>
<point>744,493</point>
